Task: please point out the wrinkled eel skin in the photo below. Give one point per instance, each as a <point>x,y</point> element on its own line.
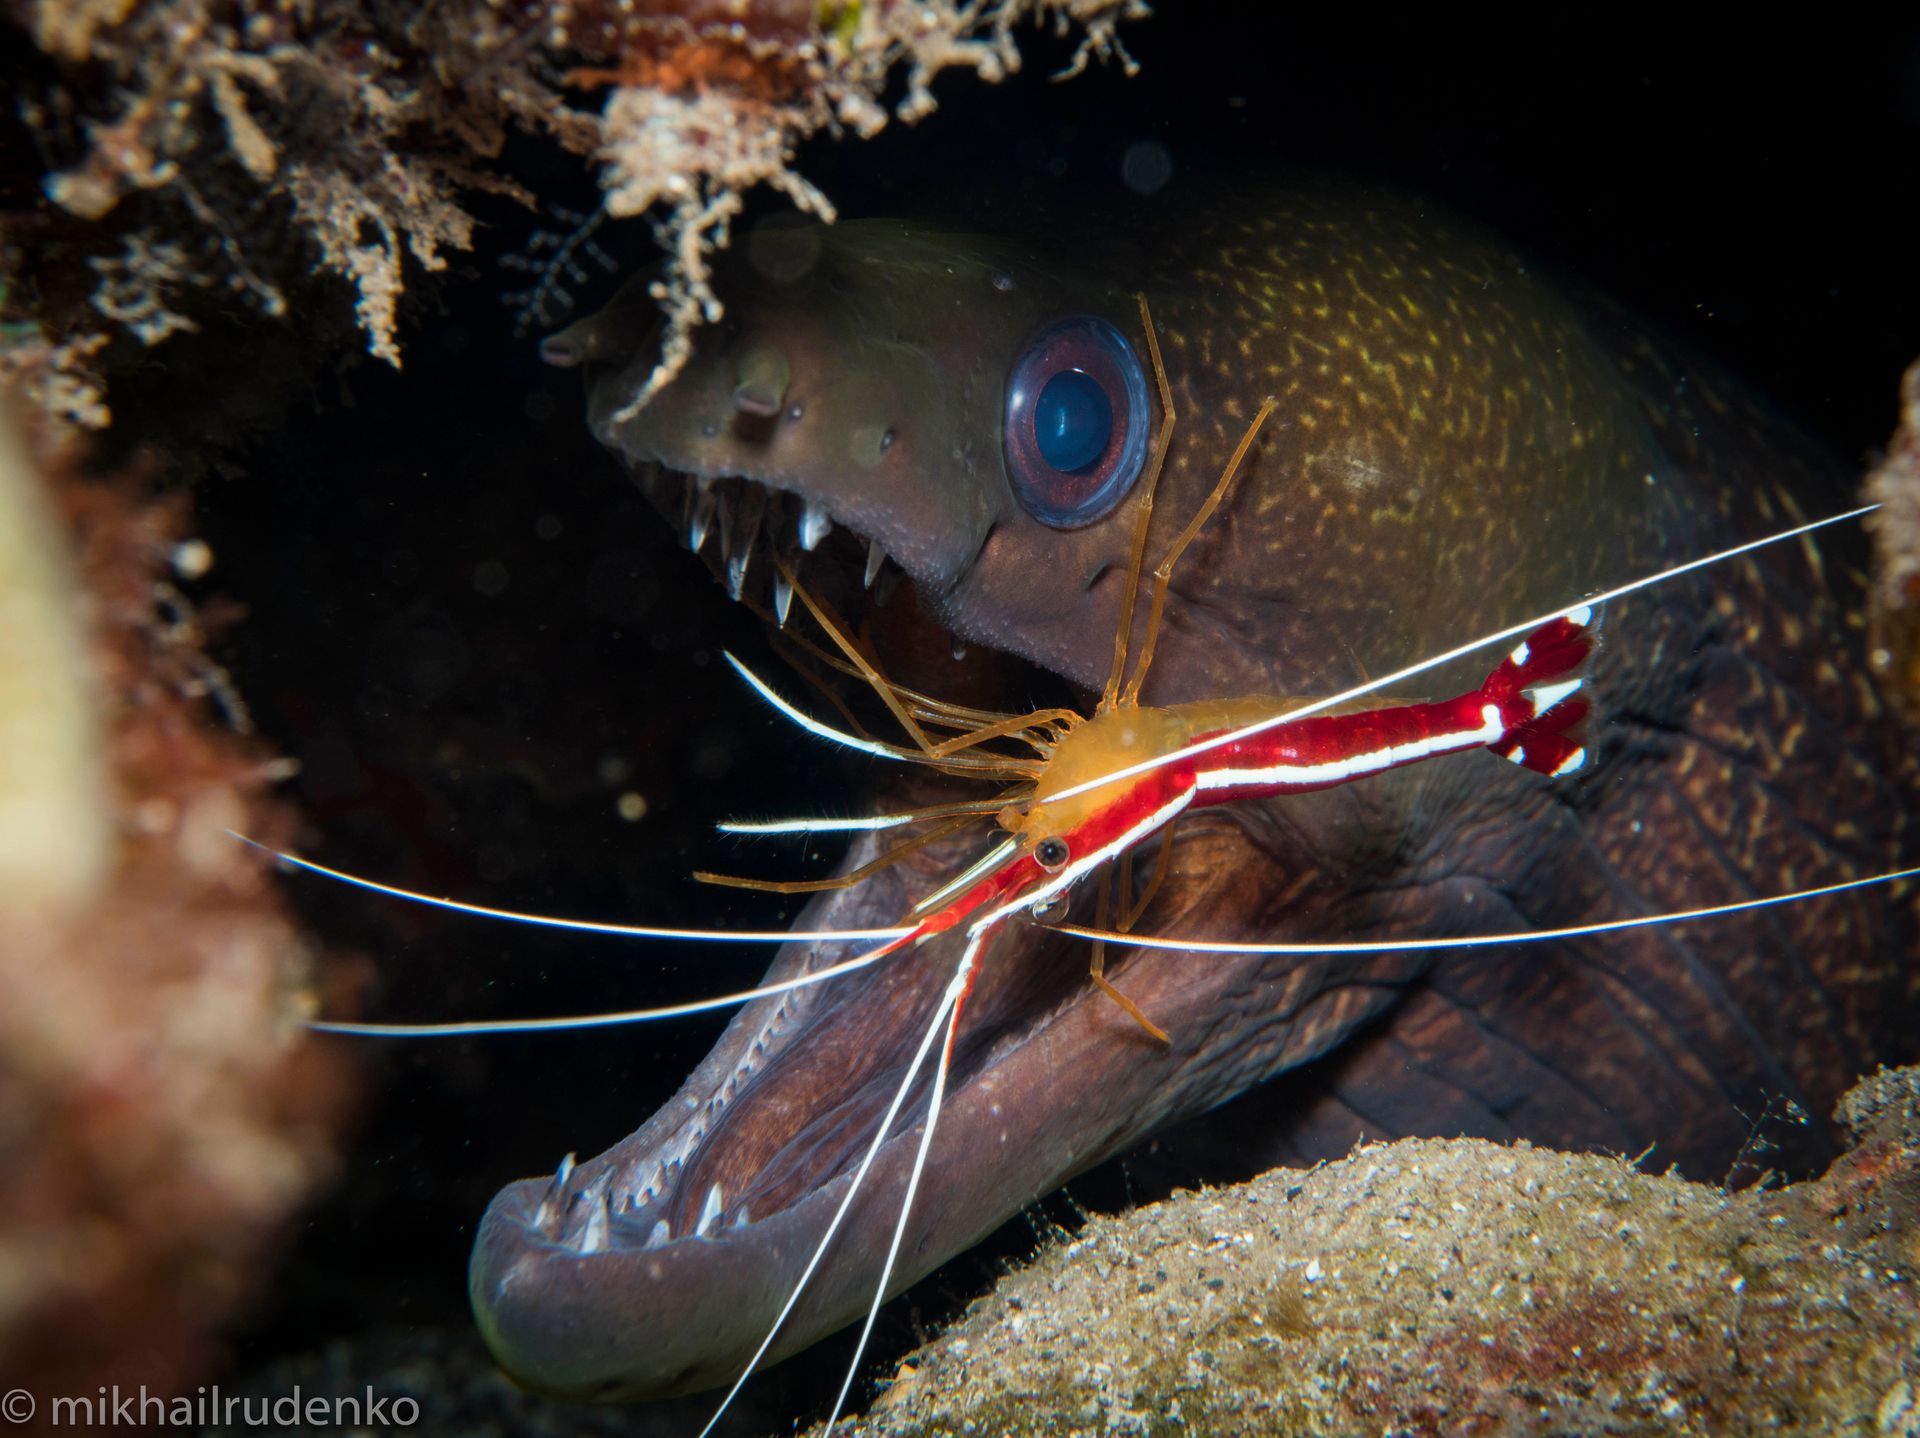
<point>1457,446</point>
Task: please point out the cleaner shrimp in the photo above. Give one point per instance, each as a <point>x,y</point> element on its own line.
<point>1079,795</point>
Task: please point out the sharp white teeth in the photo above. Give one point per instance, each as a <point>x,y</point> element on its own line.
<point>662,1234</point>
<point>876,556</point>
<point>555,1197</point>
<point>743,1217</point>
<point>782,598</point>
<point>593,1239</point>
<point>702,522</point>
<point>709,1212</point>
<point>814,525</point>
<point>740,545</point>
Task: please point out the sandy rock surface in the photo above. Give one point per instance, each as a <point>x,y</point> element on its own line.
<point>1463,1287</point>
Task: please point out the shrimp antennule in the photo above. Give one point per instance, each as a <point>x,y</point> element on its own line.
<point>1474,941</point>
<point>946,1013</point>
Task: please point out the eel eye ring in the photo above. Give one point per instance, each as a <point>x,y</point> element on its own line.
<point>1052,854</point>
<point>1075,422</point>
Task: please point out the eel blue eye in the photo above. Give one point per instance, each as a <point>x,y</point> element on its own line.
<point>1076,423</point>
<point>1072,420</point>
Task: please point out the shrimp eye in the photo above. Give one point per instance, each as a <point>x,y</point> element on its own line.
<point>1076,421</point>
<point>1051,854</point>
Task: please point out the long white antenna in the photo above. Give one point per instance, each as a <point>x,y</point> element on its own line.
<point>812,725</point>
<point>598,1021</point>
<point>962,976</point>
<point>853,1188</point>
<point>870,824</point>
<point>584,926</point>
<point>1576,931</point>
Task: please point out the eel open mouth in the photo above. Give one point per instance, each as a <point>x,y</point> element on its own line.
<point>660,1265</point>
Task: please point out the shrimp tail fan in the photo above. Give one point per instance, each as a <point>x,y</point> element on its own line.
<point>1540,700</point>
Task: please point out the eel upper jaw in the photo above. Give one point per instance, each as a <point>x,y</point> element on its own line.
<point>747,530</point>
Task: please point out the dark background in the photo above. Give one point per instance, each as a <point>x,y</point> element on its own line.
<point>476,635</point>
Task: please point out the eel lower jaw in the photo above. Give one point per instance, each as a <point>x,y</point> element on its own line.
<point>657,1267</point>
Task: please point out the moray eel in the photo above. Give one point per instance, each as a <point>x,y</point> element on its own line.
<point>1457,445</point>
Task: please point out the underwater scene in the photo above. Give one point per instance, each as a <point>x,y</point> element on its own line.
<point>1222,704</point>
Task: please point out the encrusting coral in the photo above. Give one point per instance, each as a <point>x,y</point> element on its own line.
<point>208,152</point>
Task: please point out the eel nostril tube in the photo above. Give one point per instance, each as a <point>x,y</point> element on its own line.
<point>761,382</point>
